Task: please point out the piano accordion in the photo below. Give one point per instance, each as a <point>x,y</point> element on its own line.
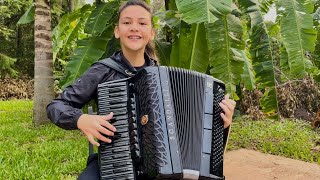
<point>168,126</point>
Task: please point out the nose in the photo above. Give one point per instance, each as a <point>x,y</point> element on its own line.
<point>134,27</point>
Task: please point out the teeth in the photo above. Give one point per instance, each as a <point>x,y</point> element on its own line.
<point>134,37</point>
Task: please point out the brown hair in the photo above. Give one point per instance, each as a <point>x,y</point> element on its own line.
<point>150,47</point>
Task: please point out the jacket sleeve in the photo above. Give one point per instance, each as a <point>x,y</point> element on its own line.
<point>65,110</point>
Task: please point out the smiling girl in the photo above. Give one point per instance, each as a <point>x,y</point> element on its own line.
<point>136,32</point>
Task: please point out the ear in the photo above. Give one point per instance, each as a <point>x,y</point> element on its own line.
<point>116,32</point>
<point>153,33</point>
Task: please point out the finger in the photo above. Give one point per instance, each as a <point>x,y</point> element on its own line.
<point>229,104</point>
<point>107,117</point>
<point>101,137</point>
<point>105,131</point>
<point>108,125</point>
<point>226,121</point>
<point>92,141</point>
<point>227,96</point>
<point>225,109</point>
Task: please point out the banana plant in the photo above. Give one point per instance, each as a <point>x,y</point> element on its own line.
<point>262,57</point>
<point>97,32</point>
<point>298,35</point>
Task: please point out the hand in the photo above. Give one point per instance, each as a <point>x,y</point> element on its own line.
<point>227,106</point>
<point>93,126</point>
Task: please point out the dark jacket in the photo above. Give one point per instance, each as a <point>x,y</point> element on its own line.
<point>65,110</point>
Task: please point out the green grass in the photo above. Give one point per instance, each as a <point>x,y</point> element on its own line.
<point>289,138</point>
<point>45,152</point>
<point>48,152</point>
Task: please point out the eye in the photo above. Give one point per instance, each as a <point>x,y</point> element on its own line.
<point>125,22</point>
<point>143,23</point>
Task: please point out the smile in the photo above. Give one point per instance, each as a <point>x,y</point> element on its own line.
<point>134,37</point>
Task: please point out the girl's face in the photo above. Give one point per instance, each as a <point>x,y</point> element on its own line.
<point>134,29</point>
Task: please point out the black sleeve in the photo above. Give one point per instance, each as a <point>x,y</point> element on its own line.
<point>65,110</point>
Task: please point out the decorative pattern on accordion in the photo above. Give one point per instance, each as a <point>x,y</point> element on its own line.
<point>153,147</point>
<point>217,134</point>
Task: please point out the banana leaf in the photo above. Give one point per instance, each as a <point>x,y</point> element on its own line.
<point>87,52</point>
<point>189,50</point>
<point>200,11</point>
<point>298,35</point>
<point>28,16</point>
<point>100,16</point>
<point>69,30</point>
<point>226,49</point>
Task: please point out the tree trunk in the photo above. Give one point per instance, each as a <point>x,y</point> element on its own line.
<point>71,5</point>
<point>19,50</point>
<point>43,73</point>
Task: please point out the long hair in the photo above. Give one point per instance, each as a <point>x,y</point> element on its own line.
<point>150,47</point>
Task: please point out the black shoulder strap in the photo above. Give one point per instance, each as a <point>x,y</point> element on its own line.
<point>115,66</point>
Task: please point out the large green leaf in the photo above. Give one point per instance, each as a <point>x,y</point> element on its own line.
<point>69,30</point>
<point>199,11</point>
<point>180,53</point>
<point>100,16</point>
<point>87,52</point>
<point>190,50</point>
<point>262,57</point>
<point>164,51</point>
<point>260,49</point>
<point>296,25</point>
<point>28,16</point>
<point>226,50</point>
<point>248,76</point>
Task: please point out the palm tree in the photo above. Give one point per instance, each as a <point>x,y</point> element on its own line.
<point>43,73</point>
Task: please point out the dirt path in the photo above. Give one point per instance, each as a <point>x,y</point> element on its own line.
<point>245,164</point>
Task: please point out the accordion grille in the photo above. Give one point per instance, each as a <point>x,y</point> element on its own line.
<point>188,99</point>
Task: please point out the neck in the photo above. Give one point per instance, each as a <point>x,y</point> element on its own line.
<point>136,59</point>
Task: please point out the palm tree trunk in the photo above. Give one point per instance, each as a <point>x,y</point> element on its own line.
<point>43,73</point>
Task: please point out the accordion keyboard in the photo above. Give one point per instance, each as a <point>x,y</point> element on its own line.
<point>115,158</point>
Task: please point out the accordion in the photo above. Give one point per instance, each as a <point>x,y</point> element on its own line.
<point>168,126</point>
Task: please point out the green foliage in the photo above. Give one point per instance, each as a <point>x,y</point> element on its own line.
<point>45,152</point>
<point>206,36</point>
<point>87,52</point>
<point>28,16</point>
<point>6,66</point>
<point>288,138</point>
<point>190,50</point>
<point>69,29</point>
<point>262,57</point>
<point>16,41</point>
<point>248,76</point>
<point>100,18</point>
<point>198,11</point>
<point>298,35</point>
<point>226,48</point>
<point>88,38</point>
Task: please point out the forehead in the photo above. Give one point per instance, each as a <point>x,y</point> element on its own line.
<point>135,11</point>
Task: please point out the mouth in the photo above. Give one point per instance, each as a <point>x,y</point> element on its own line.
<point>134,37</point>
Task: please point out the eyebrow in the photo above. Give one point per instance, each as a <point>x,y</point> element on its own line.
<point>131,18</point>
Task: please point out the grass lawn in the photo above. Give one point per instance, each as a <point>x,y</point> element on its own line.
<point>48,152</point>
<point>288,138</point>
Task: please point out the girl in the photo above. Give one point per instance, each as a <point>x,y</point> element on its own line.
<point>136,33</point>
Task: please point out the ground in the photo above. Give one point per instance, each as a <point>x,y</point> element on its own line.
<point>245,164</point>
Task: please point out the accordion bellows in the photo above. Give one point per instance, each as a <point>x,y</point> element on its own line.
<point>168,126</point>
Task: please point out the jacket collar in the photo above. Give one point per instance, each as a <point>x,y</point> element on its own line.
<point>118,56</point>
